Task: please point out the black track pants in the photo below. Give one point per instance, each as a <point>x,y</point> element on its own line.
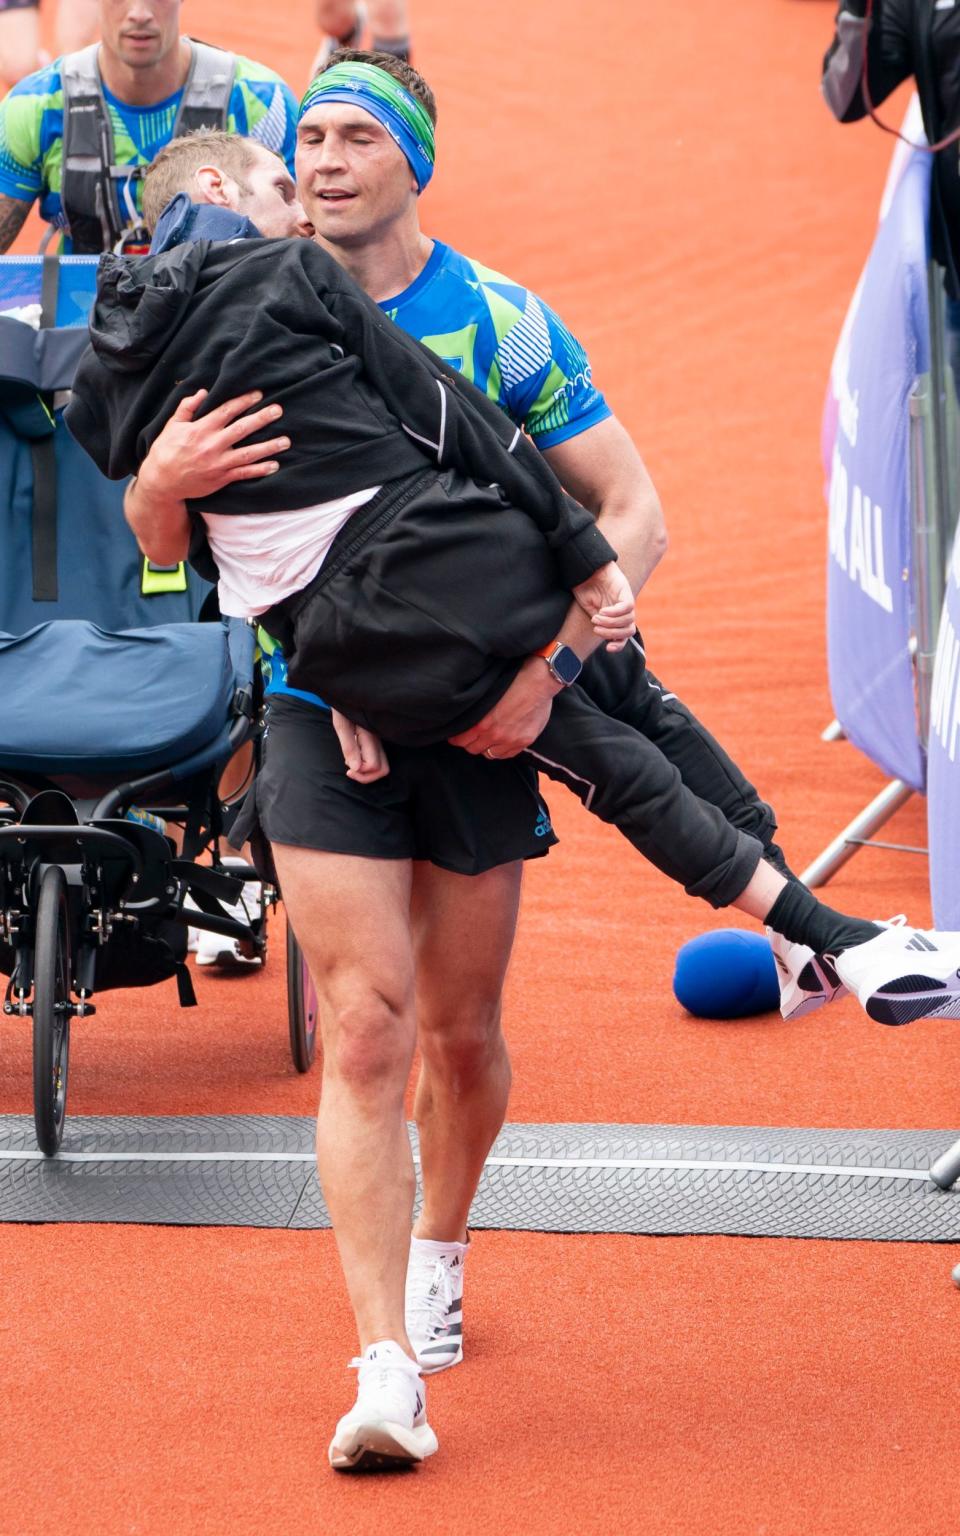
<point>623,777</point>
<point>621,683</point>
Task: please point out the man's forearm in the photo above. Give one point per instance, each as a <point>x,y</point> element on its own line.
<point>160,524</point>
<point>634,525</point>
<point>13,216</point>
<point>604,471</point>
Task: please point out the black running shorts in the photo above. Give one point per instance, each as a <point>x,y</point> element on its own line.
<point>441,804</point>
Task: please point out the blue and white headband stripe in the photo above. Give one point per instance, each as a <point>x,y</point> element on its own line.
<point>404,117</point>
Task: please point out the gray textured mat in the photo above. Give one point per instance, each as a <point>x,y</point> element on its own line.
<point>257,1171</point>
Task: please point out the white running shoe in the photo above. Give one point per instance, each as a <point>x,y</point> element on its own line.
<point>216,948</point>
<point>434,1302</point>
<point>387,1426</point>
<point>807,980</point>
<point>905,974</point>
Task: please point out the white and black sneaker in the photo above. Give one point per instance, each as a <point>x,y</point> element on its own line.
<point>434,1302</point>
<point>387,1426</point>
<point>807,980</point>
<point>905,974</point>
<point>216,948</point>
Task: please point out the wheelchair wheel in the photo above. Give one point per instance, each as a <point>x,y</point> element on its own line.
<point>51,1010</point>
<point>301,1006</point>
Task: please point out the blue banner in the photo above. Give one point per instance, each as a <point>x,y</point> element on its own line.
<point>943,754</point>
<point>21,280</point>
<point>883,348</point>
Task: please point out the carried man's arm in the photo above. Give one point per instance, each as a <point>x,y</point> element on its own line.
<point>603,470</point>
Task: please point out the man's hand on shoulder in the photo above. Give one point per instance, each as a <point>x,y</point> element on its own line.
<point>518,718</point>
<point>194,458</point>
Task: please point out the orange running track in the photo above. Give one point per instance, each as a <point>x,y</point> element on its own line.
<point>669,179</point>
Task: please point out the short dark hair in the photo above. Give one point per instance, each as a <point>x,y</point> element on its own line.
<point>173,168</point>
<point>398,68</point>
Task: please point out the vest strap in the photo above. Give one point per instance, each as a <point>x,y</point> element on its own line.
<point>95,210</point>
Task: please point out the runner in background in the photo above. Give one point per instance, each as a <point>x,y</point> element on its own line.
<point>343,23</point>
<point>79,134</point>
<point>20,51</point>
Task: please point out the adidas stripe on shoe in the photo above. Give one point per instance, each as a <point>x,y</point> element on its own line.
<point>434,1302</point>
<point>905,974</point>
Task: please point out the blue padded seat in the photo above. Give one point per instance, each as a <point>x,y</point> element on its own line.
<point>78,699</point>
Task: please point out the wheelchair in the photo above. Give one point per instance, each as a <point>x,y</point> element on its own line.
<point>121,704</point>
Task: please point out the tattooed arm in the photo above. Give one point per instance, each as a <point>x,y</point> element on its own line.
<point>13,216</point>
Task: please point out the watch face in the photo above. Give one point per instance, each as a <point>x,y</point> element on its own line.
<point>566,664</point>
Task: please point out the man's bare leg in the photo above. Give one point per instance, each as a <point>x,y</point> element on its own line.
<point>351,917</point>
<point>765,885</point>
<point>463,930</point>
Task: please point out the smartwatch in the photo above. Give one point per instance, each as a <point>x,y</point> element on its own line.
<point>565,665</point>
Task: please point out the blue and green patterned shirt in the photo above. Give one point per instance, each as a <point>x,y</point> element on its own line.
<point>262,107</point>
<point>506,341</point>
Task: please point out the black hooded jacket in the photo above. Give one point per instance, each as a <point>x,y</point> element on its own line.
<point>363,403</point>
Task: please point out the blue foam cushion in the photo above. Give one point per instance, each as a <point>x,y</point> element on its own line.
<point>728,974</point>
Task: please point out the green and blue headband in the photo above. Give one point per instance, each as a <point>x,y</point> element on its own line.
<point>405,118</point>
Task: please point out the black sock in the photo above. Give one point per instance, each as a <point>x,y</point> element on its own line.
<point>802,919</point>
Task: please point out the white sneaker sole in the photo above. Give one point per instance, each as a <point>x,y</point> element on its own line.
<point>227,957</point>
<point>380,1444</point>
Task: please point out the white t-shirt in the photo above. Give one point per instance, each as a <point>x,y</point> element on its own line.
<point>264,558</point>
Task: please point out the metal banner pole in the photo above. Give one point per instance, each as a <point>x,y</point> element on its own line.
<point>857,834</point>
<point>944,402</point>
<point>928,568</point>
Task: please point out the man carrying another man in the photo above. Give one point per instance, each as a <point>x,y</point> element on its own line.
<point>368,1056</point>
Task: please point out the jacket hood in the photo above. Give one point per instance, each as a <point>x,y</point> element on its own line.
<point>183,220</point>
<point>140,302</point>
